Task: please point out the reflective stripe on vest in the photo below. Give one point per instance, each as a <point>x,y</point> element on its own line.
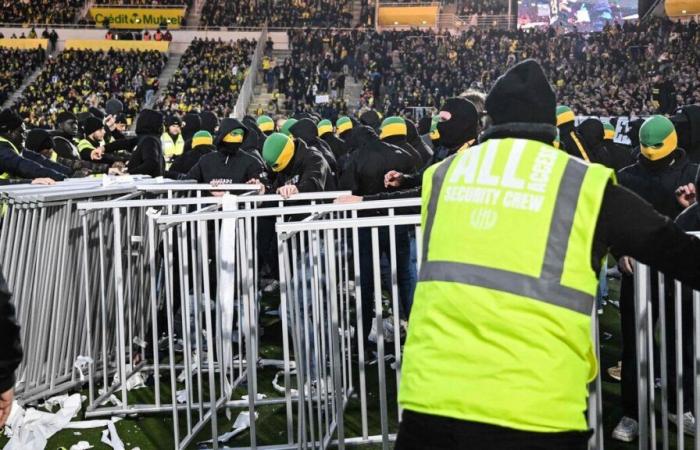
<point>547,286</point>
<point>6,175</point>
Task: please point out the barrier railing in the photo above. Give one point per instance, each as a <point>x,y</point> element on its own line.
<point>163,286</point>
<point>675,309</point>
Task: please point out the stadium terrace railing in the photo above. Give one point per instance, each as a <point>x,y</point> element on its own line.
<point>154,280</point>
<point>245,96</point>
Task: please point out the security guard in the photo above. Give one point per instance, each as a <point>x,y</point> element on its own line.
<point>499,351</point>
<point>171,140</point>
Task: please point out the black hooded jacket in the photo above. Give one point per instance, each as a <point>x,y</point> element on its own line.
<point>254,138</point>
<point>413,138</point>
<point>184,163</point>
<point>65,145</point>
<point>400,141</point>
<point>229,164</point>
<point>571,142</point>
<point>10,350</point>
<point>337,146</point>
<point>371,161</point>
<point>592,135</point>
<point>308,171</point>
<point>657,181</point>
<point>306,130</point>
<point>147,158</point>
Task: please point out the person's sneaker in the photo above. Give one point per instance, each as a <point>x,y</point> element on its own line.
<point>615,372</point>
<point>626,431</point>
<point>688,422</point>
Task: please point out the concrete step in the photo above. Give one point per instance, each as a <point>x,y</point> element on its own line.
<point>12,99</point>
<point>164,78</point>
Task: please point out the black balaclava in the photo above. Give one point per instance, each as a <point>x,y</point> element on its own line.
<point>462,125</point>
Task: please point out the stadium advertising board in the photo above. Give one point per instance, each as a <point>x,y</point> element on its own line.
<point>138,18</point>
<point>585,15</point>
<point>24,44</point>
<point>418,16</point>
<point>105,45</point>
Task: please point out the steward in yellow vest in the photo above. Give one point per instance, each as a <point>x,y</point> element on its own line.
<point>172,141</point>
<point>499,351</point>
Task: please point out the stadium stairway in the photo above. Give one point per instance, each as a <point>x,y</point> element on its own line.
<point>261,97</point>
<point>356,11</point>
<point>164,79</point>
<point>194,15</point>
<point>18,93</point>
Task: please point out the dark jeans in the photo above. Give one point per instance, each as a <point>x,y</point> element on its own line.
<point>628,385</point>
<point>426,432</point>
<point>406,283</point>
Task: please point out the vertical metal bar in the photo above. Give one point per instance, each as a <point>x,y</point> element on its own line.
<point>119,292</point>
<point>335,349</point>
<point>383,410</point>
<point>154,303</point>
<point>663,356</point>
<point>283,264</point>
<point>696,364</point>
<point>641,311</point>
<point>680,434</point>
<point>168,263</point>
<point>360,330</point>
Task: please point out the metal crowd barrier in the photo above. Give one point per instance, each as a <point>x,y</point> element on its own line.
<point>164,281</point>
<point>669,342</point>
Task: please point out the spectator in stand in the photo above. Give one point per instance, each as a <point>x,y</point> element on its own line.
<point>209,77</point>
<point>16,65</point>
<point>278,13</point>
<point>79,79</point>
<point>40,11</point>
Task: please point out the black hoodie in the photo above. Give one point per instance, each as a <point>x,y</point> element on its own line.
<point>308,171</point>
<point>371,161</point>
<point>306,130</point>
<point>229,164</point>
<point>147,158</point>
<point>592,135</point>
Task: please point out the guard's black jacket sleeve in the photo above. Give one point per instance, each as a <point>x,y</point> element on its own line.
<point>122,144</point>
<point>19,167</point>
<point>10,350</point>
<point>629,226</point>
<point>46,162</point>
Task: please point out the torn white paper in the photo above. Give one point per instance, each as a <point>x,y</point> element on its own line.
<point>32,428</point>
<point>82,363</point>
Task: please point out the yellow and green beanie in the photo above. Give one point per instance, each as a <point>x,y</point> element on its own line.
<point>343,124</point>
<point>266,124</point>
<point>609,130</point>
<point>325,126</point>
<point>234,137</point>
<point>657,138</point>
<point>278,151</point>
<point>434,133</point>
<point>392,126</point>
<point>202,138</point>
<point>284,129</point>
<point>564,115</point>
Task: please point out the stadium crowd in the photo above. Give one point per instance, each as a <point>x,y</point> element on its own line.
<point>78,79</point>
<point>40,11</point>
<point>481,7</point>
<point>277,13</point>
<point>209,76</point>
<point>17,65</point>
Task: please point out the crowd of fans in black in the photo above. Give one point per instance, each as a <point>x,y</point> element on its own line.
<point>481,7</point>
<point>145,2</point>
<point>628,69</point>
<point>277,13</point>
<point>209,77</point>
<point>40,11</point>
<point>78,79</point>
<point>17,65</point>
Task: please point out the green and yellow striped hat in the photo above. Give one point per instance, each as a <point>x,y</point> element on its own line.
<point>393,126</point>
<point>266,124</point>
<point>657,138</point>
<point>284,129</point>
<point>325,126</point>
<point>564,115</point>
<point>234,137</point>
<point>278,151</point>
<point>202,138</point>
<point>434,133</point>
<point>343,124</point>
<point>609,130</point>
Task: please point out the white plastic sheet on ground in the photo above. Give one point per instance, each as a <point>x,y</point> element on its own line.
<point>241,424</point>
<point>30,429</point>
